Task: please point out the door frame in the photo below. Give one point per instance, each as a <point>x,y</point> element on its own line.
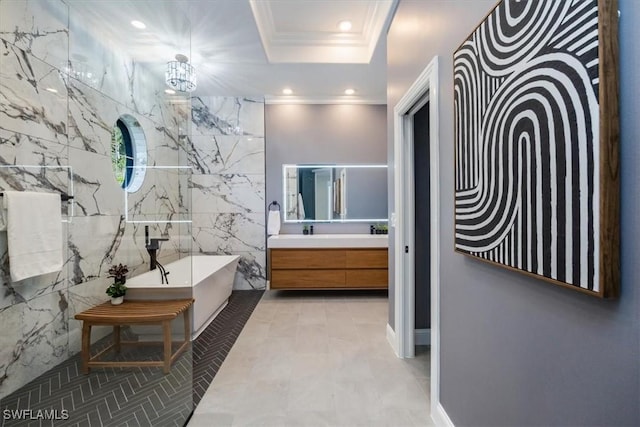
<point>425,87</point>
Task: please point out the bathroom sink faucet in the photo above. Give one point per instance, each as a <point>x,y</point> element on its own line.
<point>153,246</point>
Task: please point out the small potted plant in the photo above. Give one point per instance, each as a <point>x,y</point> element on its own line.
<point>117,290</point>
<point>305,229</point>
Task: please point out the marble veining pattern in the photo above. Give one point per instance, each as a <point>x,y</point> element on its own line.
<point>100,64</point>
<point>227,116</point>
<point>93,116</point>
<point>239,193</point>
<point>38,27</point>
<point>36,338</point>
<point>228,232</point>
<point>22,161</point>
<point>32,95</point>
<point>91,84</point>
<point>253,270</point>
<point>228,183</point>
<point>224,154</point>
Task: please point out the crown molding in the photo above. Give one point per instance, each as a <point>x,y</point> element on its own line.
<point>321,46</point>
<point>341,100</point>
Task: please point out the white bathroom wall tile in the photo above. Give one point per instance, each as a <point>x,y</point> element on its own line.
<point>184,234</point>
<point>184,189</point>
<point>38,27</point>
<point>32,164</point>
<point>97,62</point>
<point>178,107</point>
<point>104,84</point>
<point>226,233</point>
<point>162,141</point>
<point>148,96</point>
<point>252,271</point>
<point>164,196</point>
<point>105,66</point>
<point>227,154</point>
<point>34,339</point>
<point>158,199</point>
<point>96,191</point>
<point>226,150</point>
<point>162,150</point>
<point>234,193</point>
<point>33,95</point>
<point>11,369</point>
<point>33,287</point>
<point>227,116</point>
<point>93,116</point>
<point>97,242</point>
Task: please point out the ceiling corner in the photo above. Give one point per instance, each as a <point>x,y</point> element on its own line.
<point>316,40</point>
<point>263,16</point>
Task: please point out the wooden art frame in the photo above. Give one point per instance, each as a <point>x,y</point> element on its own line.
<point>537,142</point>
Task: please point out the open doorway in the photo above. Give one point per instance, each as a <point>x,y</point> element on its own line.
<point>419,103</point>
<point>421,225</point>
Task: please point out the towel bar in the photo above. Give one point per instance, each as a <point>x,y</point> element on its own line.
<point>64,197</point>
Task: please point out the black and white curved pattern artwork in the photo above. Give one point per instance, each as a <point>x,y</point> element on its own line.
<point>527,130</point>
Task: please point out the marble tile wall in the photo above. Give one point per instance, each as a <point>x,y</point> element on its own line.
<point>56,117</point>
<point>228,183</point>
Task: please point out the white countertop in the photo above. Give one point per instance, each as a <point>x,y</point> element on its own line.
<point>328,241</point>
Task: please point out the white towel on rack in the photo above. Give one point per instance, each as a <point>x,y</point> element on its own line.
<point>273,223</point>
<point>34,233</point>
<point>301,213</point>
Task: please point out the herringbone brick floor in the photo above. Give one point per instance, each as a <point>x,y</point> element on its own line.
<point>132,397</point>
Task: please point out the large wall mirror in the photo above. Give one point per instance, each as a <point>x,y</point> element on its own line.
<point>334,193</point>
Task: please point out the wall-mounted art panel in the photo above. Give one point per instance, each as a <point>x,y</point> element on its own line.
<point>536,125</point>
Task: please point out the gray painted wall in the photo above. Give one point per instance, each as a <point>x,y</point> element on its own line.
<point>322,134</point>
<point>515,350</point>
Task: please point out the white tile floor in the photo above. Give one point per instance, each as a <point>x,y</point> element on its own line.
<point>317,359</point>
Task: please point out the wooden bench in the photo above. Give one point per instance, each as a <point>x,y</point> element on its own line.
<point>134,313</point>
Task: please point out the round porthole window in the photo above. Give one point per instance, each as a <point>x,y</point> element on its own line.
<point>128,153</point>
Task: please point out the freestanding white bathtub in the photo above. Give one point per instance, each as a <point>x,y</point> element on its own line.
<point>206,278</point>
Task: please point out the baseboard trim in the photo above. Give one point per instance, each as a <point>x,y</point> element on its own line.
<point>393,340</point>
<point>440,416</point>
<point>422,336</point>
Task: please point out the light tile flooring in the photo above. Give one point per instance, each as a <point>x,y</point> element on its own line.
<point>317,359</point>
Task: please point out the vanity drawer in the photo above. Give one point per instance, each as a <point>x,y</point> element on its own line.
<point>328,268</point>
<point>367,278</point>
<point>301,279</point>
<point>367,258</point>
<point>301,259</point>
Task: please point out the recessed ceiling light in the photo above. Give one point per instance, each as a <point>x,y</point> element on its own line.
<point>344,25</point>
<point>139,24</point>
<point>170,91</point>
<point>52,90</point>
<point>287,91</point>
<point>349,91</point>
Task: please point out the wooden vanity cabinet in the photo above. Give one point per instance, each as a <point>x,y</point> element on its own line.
<point>334,268</point>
